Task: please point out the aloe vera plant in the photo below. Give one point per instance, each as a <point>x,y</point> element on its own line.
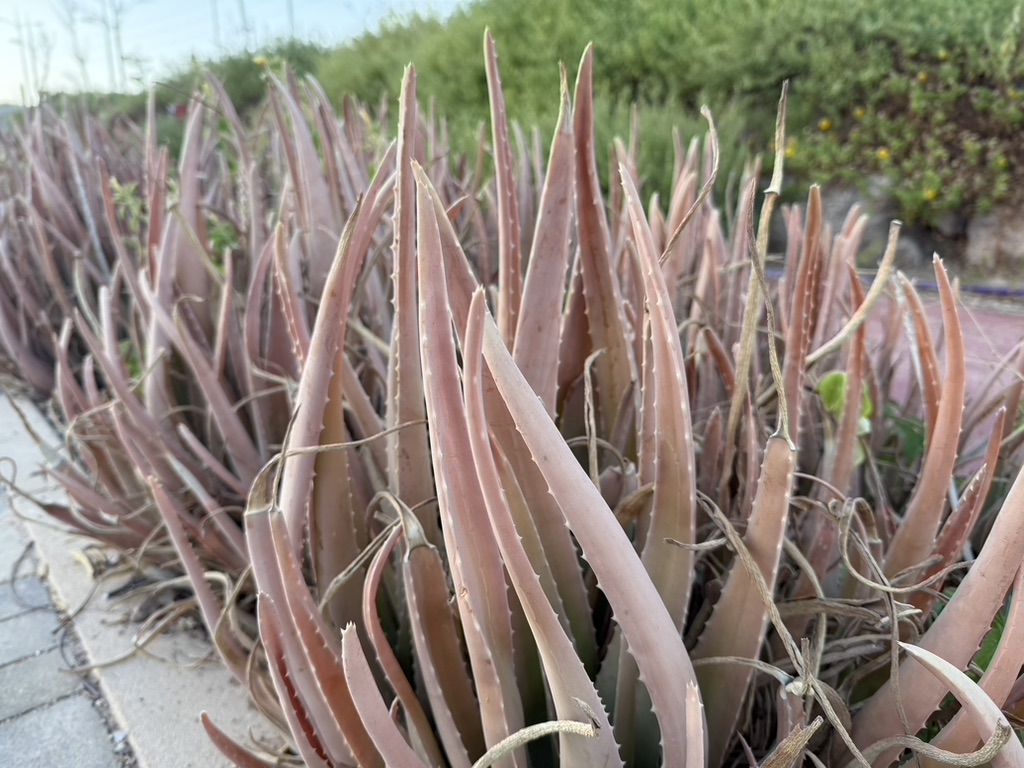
<point>533,474</point>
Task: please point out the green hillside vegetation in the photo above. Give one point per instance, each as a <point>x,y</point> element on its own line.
<point>928,94</point>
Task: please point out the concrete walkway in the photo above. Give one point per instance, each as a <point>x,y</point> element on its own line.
<point>48,715</point>
<point>142,711</point>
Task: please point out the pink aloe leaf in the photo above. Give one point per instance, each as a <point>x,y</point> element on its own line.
<point>536,346</point>
<point>956,633</point>
<point>310,655</point>
<point>983,712</point>
<point>477,572</point>
<point>416,719</point>
<point>372,711</point>
<point>230,748</point>
<point>738,625</point>
<point>559,549</point>
<point>666,444</point>
<point>565,674</point>
<point>616,368</point>
<point>915,536</point>
<point>449,688</point>
<point>510,257</point>
<point>326,345</point>
<point>961,735</point>
<point>922,349</point>
<point>408,463</point>
<point>646,624</point>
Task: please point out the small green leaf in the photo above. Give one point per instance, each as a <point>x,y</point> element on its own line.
<point>832,389</point>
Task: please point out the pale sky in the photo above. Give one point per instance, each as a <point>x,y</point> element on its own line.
<point>37,49</point>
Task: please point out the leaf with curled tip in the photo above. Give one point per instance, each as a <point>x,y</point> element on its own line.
<point>956,633</point>
<point>997,680</point>
<point>646,624</point>
<point>983,712</point>
<point>230,748</point>
<point>915,536</point>
<point>419,728</point>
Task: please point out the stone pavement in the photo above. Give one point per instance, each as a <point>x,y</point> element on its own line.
<point>48,715</point>
<point>142,710</point>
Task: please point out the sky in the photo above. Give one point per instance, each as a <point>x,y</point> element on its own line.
<point>38,48</point>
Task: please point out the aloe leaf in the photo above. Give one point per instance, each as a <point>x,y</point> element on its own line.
<point>408,462</point>
<point>231,749</point>
<point>915,536</point>
<point>304,732</point>
<point>449,688</point>
<point>606,323</point>
<point>230,649</point>
<point>565,674</point>
<point>961,522</point>
<point>372,710</point>
<point>317,218</point>
<point>666,442</point>
<point>922,350</point>
<point>326,344</point>
<point>244,457</point>
<point>983,712</point>
<point>957,632</point>
<point>536,347</point>
<point>510,274</point>
<point>560,550</point>
<point>420,731</point>
<point>286,278</point>
<point>477,573</point>
<point>996,681</point>
<point>739,622</point>
<point>639,610</point>
<point>310,656</point>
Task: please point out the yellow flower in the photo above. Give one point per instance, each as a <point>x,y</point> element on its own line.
<point>859,113</point>
<point>943,54</point>
<point>825,125</point>
<point>922,77</point>
<point>1003,163</point>
<point>791,148</point>
<point>261,61</point>
<point>883,154</point>
<point>931,194</point>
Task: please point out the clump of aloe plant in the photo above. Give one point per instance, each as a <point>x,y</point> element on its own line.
<point>535,474</point>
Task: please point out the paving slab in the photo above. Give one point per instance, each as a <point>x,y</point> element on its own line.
<point>23,596</point>
<point>68,732</point>
<point>154,696</point>
<point>35,682</point>
<point>27,635</point>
